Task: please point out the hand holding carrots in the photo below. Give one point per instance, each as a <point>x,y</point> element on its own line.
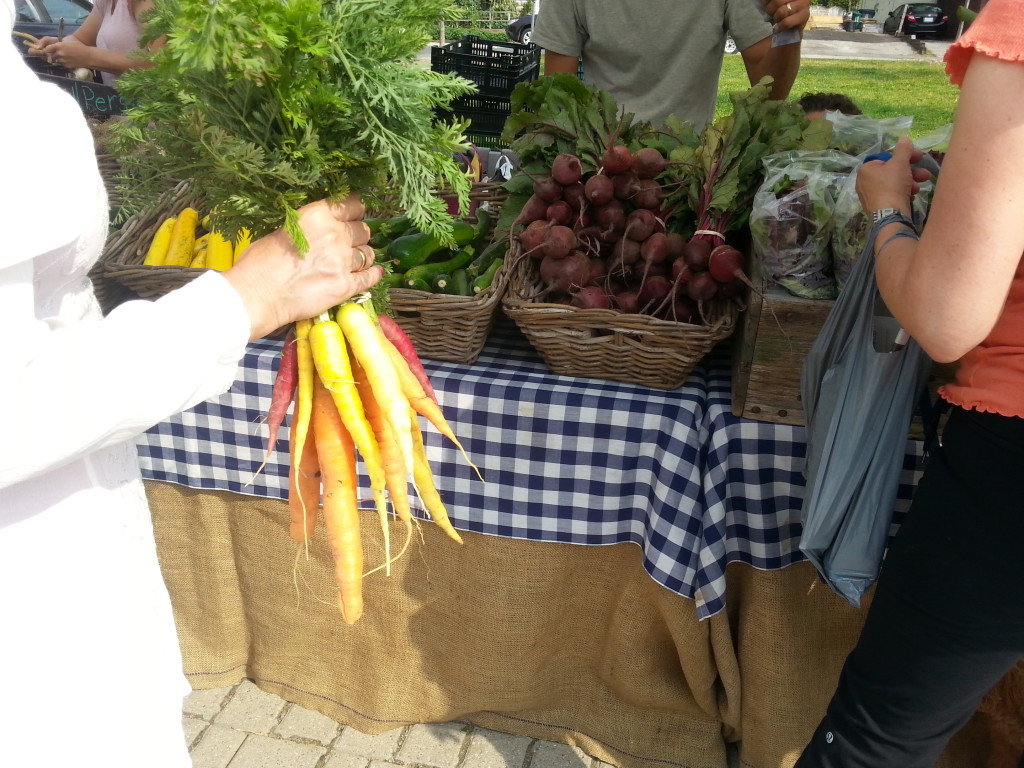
<point>893,183</point>
<point>278,286</point>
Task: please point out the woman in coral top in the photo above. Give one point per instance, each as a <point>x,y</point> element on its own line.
<point>947,618</point>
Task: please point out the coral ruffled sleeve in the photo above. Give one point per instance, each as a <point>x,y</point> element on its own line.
<point>998,32</point>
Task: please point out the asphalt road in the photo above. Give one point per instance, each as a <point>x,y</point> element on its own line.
<point>838,44</point>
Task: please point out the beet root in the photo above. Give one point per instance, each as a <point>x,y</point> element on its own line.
<point>591,297</point>
<point>617,159</point>
<point>648,163</point>
<point>599,189</point>
<point>566,169</point>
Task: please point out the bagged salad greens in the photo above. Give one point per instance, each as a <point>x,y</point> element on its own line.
<point>791,220</point>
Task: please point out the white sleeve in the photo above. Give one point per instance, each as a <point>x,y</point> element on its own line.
<point>73,389</point>
<point>72,381</point>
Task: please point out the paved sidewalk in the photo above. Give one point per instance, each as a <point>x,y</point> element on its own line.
<point>245,727</point>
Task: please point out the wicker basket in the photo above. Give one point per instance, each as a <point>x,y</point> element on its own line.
<point>454,329</point>
<point>448,328</point>
<point>126,248</point>
<point>605,344</point>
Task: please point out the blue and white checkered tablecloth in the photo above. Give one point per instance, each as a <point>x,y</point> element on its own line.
<point>573,460</point>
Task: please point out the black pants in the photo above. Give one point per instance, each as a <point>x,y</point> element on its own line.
<point>947,618</point>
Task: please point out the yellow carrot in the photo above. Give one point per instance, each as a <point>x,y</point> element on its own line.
<point>364,338</point>
<point>157,253</point>
<point>183,236</point>
<point>303,487</point>
<point>337,454</point>
<point>331,359</point>
<point>423,478</point>
<point>303,396</point>
<point>395,474</point>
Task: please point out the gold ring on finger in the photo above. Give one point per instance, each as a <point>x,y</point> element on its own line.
<point>366,261</point>
<point>789,8</point>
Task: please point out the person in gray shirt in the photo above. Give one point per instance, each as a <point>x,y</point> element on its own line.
<point>664,57</point>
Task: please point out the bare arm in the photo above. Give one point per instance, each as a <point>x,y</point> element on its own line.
<point>781,63</point>
<point>79,49</point>
<point>557,62</point>
<point>949,288</point>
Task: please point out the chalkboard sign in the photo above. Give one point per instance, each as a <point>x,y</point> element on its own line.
<point>95,99</point>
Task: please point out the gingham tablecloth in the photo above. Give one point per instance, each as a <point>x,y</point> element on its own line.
<point>573,460</point>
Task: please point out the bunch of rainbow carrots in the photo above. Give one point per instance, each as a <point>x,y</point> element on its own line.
<point>358,387</point>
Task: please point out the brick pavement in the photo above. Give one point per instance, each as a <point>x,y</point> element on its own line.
<point>244,727</point>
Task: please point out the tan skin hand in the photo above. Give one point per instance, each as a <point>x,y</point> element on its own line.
<point>789,14</point>
<point>69,53</point>
<point>892,184</point>
<point>278,286</point>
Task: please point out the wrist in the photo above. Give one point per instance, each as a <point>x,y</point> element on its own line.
<point>880,217</point>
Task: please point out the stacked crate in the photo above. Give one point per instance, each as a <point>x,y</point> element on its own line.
<point>495,68</point>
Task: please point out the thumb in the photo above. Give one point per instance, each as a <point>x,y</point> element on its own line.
<point>903,150</point>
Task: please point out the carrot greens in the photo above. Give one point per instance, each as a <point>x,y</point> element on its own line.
<point>267,106</point>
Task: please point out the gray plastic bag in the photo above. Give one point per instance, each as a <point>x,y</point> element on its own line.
<point>859,384</point>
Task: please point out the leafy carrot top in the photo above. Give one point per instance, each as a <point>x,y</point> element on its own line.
<point>266,106</point>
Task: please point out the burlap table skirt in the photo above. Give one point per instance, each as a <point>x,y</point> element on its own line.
<point>560,642</point>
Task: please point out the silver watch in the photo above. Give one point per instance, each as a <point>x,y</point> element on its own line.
<point>889,213</point>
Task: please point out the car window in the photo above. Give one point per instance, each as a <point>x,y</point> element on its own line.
<point>26,12</point>
<point>72,12</point>
<point>923,8</point>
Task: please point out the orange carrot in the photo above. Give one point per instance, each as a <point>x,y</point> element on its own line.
<point>394,467</point>
<point>341,506</point>
<point>421,403</point>
<point>331,358</point>
<point>424,481</point>
<point>304,489</point>
<point>364,339</point>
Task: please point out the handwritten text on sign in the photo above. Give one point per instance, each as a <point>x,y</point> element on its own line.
<point>95,99</point>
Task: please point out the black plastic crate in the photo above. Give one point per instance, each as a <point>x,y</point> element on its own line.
<point>495,67</point>
<point>486,115</point>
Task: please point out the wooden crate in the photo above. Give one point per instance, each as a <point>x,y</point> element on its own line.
<point>772,338</point>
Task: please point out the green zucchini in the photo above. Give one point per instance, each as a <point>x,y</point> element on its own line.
<point>480,264</point>
<point>427,272</point>
<point>441,283</point>
<point>410,251</point>
<point>416,284</point>
<point>483,227</point>
<point>459,285</point>
<point>484,281</point>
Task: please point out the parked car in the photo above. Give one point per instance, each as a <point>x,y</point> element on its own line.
<point>41,18</point>
<point>520,30</point>
<point>920,19</point>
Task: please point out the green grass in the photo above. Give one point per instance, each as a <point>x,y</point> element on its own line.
<point>879,88</point>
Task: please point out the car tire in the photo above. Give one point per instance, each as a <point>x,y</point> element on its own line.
<point>730,44</point>
<point>526,37</point>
